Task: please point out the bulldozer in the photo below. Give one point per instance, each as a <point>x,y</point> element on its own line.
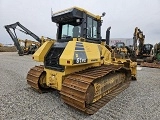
<point>29,46</point>
<point>153,61</point>
<point>119,49</point>
<point>78,64</point>
<point>141,51</point>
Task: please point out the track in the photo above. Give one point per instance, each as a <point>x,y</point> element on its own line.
<point>151,65</point>
<point>33,77</point>
<point>77,89</point>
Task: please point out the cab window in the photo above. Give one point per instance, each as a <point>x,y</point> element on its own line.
<point>91,28</point>
<point>69,31</point>
<point>94,29</point>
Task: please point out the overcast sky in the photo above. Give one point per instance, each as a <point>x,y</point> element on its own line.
<point>122,15</point>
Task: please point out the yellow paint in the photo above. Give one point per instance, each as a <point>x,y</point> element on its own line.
<point>54,78</point>
<point>96,54</point>
<point>91,50</point>
<point>41,52</point>
<point>91,14</point>
<point>106,54</point>
<point>133,67</point>
<point>68,54</point>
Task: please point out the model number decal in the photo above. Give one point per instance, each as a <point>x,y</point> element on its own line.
<point>79,57</point>
<point>80,60</point>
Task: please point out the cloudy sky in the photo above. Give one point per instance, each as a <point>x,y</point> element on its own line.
<point>122,15</point>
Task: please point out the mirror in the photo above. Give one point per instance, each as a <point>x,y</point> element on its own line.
<point>103,14</point>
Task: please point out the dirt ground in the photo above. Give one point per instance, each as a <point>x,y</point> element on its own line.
<point>8,49</point>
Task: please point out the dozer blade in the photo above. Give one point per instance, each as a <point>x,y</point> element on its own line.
<point>80,91</point>
<point>151,65</point>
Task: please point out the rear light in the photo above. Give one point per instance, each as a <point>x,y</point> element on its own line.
<point>68,62</point>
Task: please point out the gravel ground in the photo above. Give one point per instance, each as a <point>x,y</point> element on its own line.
<point>141,101</point>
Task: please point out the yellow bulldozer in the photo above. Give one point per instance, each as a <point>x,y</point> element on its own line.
<point>120,50</point>
<point>78,64</point>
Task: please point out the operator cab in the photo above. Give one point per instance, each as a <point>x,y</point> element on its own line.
<point>120,45</point>
<point>147,48</point>
<point>77,23</point>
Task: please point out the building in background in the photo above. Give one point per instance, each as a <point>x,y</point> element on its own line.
<point>127,41</point>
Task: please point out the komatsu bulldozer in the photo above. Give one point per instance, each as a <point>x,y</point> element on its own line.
<point>120,50</point>
<point>78,64</point>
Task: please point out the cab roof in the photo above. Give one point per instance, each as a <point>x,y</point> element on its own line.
<point>70,14</point>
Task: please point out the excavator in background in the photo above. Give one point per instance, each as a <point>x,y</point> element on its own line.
<point>78,64</point>
<point>157,52</point>
<point>138,53</point>
<point>141,51</point>
<point>29,46</point>
<point>153,61</point>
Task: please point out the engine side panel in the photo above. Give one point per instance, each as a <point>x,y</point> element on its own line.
<point>79,53</point>
<point>53,56</point>
<point>42,51</point>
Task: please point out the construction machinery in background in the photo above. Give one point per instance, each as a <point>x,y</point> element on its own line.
<point>1,45</point>
<point>79,64</point>
<point>119,49</point>
<point>123,51</point>
<point>29,46</point>
<point>141,51</point>
<point>153,61</point>
<point>127,41</point>
<point>157,52</point>
<point>136,52</point>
